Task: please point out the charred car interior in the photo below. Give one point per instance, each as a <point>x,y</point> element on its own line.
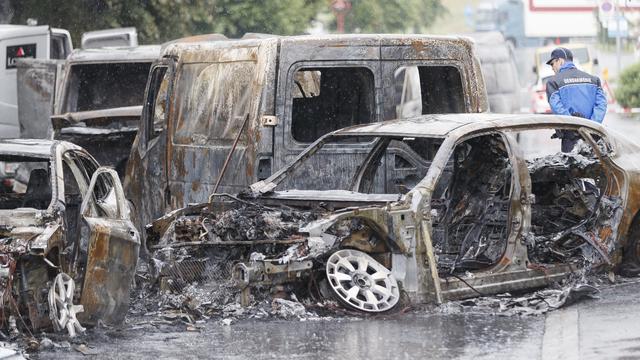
<point>426,209</point>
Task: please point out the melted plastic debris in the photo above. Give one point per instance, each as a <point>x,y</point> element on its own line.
<point>537,303</point>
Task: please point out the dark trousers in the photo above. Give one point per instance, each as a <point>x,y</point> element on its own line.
<point>568,144</point>
<point>569,139</point>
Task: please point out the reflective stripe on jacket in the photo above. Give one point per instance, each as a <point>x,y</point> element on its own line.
<point>574,92</point>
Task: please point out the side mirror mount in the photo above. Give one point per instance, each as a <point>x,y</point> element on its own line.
<point>595,61</point>
<point>534,69</point>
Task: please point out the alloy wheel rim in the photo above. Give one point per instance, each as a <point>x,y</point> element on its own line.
<point>361,282</point>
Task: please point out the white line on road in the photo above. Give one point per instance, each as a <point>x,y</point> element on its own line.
<point>561,338</point>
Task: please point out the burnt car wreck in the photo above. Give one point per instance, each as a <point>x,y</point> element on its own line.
<point>426,210</point>
<point>68,249</point>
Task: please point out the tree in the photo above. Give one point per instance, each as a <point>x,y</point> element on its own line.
<point>628,91</point>
<point>162,20</point>
<point>389,16</point>
<point>237,17</point>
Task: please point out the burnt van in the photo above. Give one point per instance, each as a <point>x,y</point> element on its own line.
<point>220,114</point>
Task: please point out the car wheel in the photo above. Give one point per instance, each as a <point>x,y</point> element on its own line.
<point>361,283</point>
<point>62,311</point>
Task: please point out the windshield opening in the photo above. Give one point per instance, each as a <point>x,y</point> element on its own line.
<point>365,164</point>
<point>106,86</point>
<point>25,182</point>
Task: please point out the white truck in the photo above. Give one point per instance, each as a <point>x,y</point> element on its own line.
<point>538,22</point>
<point>21,42</point>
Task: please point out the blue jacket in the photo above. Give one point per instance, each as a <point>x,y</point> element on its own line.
<point>574,92</point>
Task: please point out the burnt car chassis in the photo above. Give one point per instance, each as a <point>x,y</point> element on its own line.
<point>68,248</point>
<point>462,213</point>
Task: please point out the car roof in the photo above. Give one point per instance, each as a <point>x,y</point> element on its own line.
<point>441,125</point>
<point>212,41</point>
<point>144,53</point>
<point>37,148</point>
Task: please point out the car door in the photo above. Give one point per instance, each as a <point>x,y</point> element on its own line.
<point>145,179</point>
<point>112,247</point>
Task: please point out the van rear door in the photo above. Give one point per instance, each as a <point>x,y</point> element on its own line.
<point>38,83</point>
<point>17,42</point>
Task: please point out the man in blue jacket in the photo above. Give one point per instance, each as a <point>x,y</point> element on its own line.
<point>573,92</point>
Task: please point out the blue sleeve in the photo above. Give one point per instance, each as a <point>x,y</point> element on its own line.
<point>600,108</point>
<point>556,104</point>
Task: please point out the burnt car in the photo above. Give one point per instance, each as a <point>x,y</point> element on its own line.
<point>101,99</point>
<point>440,207</point>
<point>67,244</point>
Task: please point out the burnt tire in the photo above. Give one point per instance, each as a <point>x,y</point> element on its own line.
<point>630,266</point>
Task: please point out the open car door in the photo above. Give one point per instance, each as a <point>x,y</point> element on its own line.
<point>112,245</point>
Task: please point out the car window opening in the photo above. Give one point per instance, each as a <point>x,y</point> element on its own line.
<point>327,99</point>
<point>26,183</point>
<point>100,86</point>
<point>73,201</point>
<point>156,109</point>
<point>394,168</point>
<point>423,90</point>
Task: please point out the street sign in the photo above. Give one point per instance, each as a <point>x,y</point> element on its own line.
<point>612,27</point>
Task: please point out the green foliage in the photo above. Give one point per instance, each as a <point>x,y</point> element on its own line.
<point>390,16</point>
<point>162,20</point>
<point>628,91</point>
<point>237,17</point>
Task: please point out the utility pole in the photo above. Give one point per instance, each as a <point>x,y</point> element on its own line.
<point>618,15</point>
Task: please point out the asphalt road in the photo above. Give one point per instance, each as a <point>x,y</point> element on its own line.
<point>605,328</point>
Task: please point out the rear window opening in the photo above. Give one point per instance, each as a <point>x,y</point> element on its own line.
<point>365,164</point>
<point>25,183</point>
<point>327,99</point>
<point>104,86</point>
<point>423,90</point>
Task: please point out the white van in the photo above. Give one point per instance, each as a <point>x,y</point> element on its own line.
<point>19,42</point>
